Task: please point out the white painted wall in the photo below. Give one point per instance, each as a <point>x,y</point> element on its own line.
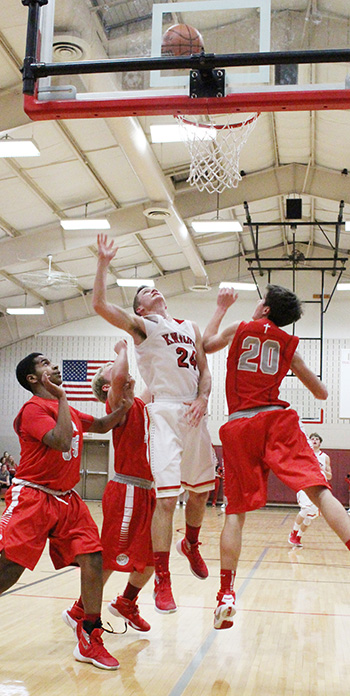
<point>93,335</point>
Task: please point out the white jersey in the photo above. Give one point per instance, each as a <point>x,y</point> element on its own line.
<point>167,358</point>
<point>321,456</point>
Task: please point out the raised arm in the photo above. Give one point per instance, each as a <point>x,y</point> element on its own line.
<point>308,377</point>
<point>212,339</point>
<point>112,313</point>
<point>60,437</point>
<point>119,375</point>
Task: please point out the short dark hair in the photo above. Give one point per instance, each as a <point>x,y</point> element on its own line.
<point>26,367</point>
<point>136,300</point>
<point>285,306</point>
<point>315,435</point>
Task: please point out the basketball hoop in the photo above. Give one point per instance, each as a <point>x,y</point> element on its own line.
<point>215,149</point>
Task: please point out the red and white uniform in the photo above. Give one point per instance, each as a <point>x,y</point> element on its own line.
<point>262,432</point>
<point>304,501</point>
<point>179,455</point>
<point>129,499</point>
<point>41,503</point>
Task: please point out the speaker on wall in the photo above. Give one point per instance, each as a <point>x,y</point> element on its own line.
<point>294,208</point>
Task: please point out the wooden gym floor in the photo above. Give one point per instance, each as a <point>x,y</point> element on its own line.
<point>291,635</point>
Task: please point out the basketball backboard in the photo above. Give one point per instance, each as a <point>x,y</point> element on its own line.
<point>128,35</point>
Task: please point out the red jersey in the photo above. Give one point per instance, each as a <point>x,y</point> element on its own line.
<point>259,358</point>
<point>41,464</point>
<point>129,443</point>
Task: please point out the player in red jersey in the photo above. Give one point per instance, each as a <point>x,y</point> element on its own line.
<point>262,432</point>
<point>129,498</point>
<point>41,503</point>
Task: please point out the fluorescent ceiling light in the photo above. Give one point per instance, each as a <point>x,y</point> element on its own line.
<point>25,310</point>
<point>205,226</point>
<point>18,148</point>
<point>343,286</point>
<point>238,286</point>
<point>347,225</point>
<point>175,133</point>
<point>85,224</point>
<point>134,282</point>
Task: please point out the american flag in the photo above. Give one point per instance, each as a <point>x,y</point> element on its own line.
<point>77,376</point>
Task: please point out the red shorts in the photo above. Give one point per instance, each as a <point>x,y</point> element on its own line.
<point>252,446</point>
<point>32,516</point>
<point>126,529</point>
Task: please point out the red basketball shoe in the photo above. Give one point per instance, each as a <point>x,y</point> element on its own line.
<point>295,539</point>
<point>191,551</point>
<point>164,600</point>
<point>72,616</point>
<point>225,610</point>
<point>128,610</point>
<point>91,649</point>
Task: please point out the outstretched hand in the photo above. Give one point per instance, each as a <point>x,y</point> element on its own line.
<point>226,298</point>
<point>54,389</point>
<point>120,345</point>
<point>106,251</point>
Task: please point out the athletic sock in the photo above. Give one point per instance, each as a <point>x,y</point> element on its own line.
<point>91,621</point>
<point>227,579</point>
<point>347,544</point>
<point>192,534</point>
<point>80,603</point>
<point>161,561</point>
<point>131,591</point>
<point>296,527</point>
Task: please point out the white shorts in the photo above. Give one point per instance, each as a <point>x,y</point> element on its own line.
<point>305,503</point>
<point>180,456</point>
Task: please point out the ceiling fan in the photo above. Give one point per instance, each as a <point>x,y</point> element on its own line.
<point>50,278</point>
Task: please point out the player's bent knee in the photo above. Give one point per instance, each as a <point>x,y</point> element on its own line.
<point>90,561</point>
<point>307,520</point>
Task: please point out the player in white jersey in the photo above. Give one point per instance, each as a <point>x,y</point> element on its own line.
<point>308,511</point>
<point>173,364</point>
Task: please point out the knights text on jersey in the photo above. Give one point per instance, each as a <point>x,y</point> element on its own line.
<point>259,358</point>
<point>167,358</point>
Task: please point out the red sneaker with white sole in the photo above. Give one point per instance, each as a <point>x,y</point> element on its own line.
<point>91,649</point>
<point>72,616</point>
<point>191,552</point>
<point>164,600</point>
<point>128,610</point>
<point>294,539</point>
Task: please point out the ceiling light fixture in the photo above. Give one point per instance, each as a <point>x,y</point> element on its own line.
<point>25,310</point>
<point>238,286</point>
<point>216,224</point>
<point>134,282</point>
<point>206,226</point>
<point>343,286</point>
<point>20,147</point>
<point>84,224</point>
<point>174,133</point>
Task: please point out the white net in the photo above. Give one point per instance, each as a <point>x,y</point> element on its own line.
<point>215,150</point>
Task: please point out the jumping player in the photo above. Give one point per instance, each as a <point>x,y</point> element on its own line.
<point>129,498</point>
<point>262,432</point>
<point>41,503</point>
<point>173,365</point>
<point>308,511</point>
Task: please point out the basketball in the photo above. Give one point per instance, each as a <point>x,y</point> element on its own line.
<point>181,40</point>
